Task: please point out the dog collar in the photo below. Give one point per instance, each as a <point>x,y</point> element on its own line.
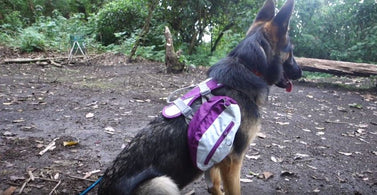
<point>257,73</point>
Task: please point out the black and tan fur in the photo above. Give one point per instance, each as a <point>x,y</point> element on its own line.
<point>157,160</point>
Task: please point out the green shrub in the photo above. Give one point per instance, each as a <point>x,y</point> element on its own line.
<point>31,40</point>
<point>118,16</point>
<point>13,21</point>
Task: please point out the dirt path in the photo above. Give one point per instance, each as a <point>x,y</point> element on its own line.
<point>320,138</point>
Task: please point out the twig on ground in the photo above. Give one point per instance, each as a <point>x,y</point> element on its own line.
<point>50,146</point>
<point>56,186</point>
<point>30,173</point>
<point>55,64</point>
<point>175,85</point>
<point>24,185</point>
<point>80,178</point>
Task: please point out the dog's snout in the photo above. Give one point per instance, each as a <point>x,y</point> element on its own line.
<point>292,69</point>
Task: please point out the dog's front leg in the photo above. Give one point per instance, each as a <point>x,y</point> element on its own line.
<point>230,169</point>
<point>214,187</point>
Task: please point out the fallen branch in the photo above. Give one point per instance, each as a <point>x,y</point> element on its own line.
<point>337,67</point>
<point>28,60</point>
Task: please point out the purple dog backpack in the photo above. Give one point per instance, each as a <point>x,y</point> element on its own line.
<point>212,128</point>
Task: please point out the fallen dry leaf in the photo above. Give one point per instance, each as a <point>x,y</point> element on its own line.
<point>300,156</point>
<point>9,191</point>
<point>279,146</point>
<point>306,130</point>
<point>312,167</point>
<point>276,159</point>
<point>246,180</point>
<point>346,153</point>
<point>341,109</point>
<point>320,133</point>
<point>8,133</point>
<point>254,157</point>
<point>18,121</point>
<point>56,176</point>
<point>70,143</point>
<point>89,115</point>
<point>110,130</point>
<point>282,123</point>
<point>15,178</point>
<point>267,175</point>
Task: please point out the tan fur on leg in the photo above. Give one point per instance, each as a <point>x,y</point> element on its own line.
<point>230,169</point>
<point>216,181</point>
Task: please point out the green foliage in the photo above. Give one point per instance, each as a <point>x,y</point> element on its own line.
<point>338,30</point>
<point>12,21</point>
<point>119,16</point>
<point>31,40</point>
<point>47,33</point>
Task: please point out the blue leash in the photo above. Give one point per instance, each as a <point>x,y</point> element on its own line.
<point>91,187</point>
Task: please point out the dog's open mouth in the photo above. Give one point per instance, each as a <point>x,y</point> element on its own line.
<point>285,83</point>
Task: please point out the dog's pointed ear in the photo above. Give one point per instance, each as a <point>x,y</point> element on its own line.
<point>282,18</point>
<point>267,12</point>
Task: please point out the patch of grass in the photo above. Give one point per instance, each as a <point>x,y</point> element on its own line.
<point>316,75</point>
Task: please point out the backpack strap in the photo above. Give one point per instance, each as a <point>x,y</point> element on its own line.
<point>181,106</point>
<point>205,91</point>
<point>184,108</point>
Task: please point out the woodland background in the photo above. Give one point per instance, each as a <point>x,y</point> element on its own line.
<point>204,30</point>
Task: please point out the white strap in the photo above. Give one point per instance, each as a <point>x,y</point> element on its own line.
<point>204,89</point>
<point>184,108</point>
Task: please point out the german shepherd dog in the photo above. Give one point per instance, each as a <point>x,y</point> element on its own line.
<point>157,160</point>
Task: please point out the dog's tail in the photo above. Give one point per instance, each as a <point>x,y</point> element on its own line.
<point>146,182</point>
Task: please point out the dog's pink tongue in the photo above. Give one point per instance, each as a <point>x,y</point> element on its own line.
<point>289,86</point>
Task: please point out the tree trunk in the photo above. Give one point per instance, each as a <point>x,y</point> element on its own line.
<point>173,65</point>
<point>192,43</point>
<point>217,41</point>
<point>337,67</point>
<point>145,29</point>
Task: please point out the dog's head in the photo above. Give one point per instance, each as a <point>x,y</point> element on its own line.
<point>267,49</point>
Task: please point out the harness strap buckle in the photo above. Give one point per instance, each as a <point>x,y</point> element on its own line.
<point>184,108</point>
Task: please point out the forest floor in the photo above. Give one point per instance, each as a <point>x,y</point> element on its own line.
<point>320,138</point>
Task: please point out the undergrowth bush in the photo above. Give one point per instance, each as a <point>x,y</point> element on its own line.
<point>47,33</point>
<point>118,16</point>
<point>31,40</point>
